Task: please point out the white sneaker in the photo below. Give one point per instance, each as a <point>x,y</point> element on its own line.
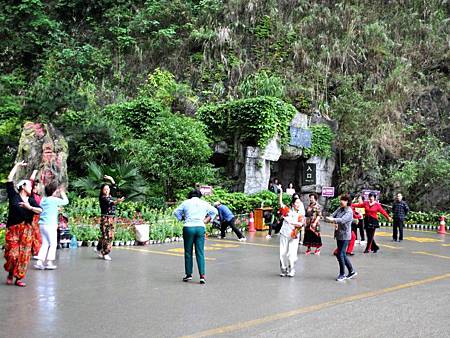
<point>362,243</point>
<point>268,237</point>
<point>243,239</point>
<point>358,241</point>
<point>50,266</point>
<point>107,257</point>
<point>291,273</point>
<point>39,265</point>
<point>99,253</point>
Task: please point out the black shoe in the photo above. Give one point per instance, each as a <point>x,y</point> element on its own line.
<point>375,251</point>
<point>187,278</point>
<point>202,280</point>
<point>352,274</point>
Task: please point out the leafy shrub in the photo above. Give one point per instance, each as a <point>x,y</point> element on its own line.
<point>261,84</point>
<point>321,141</point>
<point>254,120</point>
<point>128,180</point>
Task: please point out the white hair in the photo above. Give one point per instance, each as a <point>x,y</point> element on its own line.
<point>21,183</point>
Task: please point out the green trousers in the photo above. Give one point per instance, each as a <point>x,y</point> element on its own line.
<point>194,236</point>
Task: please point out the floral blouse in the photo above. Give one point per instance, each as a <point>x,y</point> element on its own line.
<point>313,214</point>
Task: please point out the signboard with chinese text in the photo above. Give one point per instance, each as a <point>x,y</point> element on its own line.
<point>328,191</point>
<point>206,190</point>
<point>365,194</point>
<point>300,137</point>
<point>309,174</point>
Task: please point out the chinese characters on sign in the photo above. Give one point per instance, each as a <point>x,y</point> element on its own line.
<point>328,191</point>
<point>309,174</point>
<point>206,190</point>
<point>300,137</point>
<point>365,193</point>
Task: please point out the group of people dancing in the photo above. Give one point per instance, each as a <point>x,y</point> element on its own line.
<point>32,224</point>
<point>33,221</point>
<point>348,219</point>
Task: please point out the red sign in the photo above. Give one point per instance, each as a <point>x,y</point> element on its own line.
<point>328,191</point>
<point>206,190</point>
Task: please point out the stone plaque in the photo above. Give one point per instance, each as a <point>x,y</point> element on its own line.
<point>300,137</point>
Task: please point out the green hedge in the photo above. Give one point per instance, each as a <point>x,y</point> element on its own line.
<point>255,120</point>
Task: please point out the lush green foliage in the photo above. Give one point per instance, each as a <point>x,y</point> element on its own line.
<point>129,182</point>
<point>241,203</point>
<point>261,84</point>
<point>322,140</point>
<point>254,120</point>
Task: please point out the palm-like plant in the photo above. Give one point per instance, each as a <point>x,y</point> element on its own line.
<point>129,181</point>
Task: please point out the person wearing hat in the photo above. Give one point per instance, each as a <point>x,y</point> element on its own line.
<point>227,219</point>
<point>19,232</point>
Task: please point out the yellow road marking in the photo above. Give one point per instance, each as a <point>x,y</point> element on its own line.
<point>223,245</point>
<point>243,243</point>
<point>423,239</point>
<point>430,254</point>
<point>162,253</point>
<point>383,234</point>
<point>271,318</point>
<point>411,238</point>
<point>390,246</point>
<point>445,244</point>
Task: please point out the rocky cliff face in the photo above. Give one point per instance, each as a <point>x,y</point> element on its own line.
<point>44,149</point>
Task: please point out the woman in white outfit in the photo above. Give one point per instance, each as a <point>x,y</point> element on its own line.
<point>290,236</point>
<point>48,223</point>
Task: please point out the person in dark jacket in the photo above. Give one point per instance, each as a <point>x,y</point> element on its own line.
<point>19,228</point>
<point>227,219</point>
<point>342,218</point>
<point>399,209</point>
<point>107,219</point>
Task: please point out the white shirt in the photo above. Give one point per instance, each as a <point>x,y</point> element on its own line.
<point>292,216</point>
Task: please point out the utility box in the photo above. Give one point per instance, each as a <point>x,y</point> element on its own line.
<point>259,218</point>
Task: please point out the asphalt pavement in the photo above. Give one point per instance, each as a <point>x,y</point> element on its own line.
<point>401,291</point>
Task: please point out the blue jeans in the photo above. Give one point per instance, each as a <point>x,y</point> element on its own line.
<point>342,257</point>
<point>194,236</point>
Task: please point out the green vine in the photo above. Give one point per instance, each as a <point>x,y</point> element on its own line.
<point>254,120</point>
<point>322,139</point>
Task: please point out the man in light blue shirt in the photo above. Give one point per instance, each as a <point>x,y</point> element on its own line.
<point>195,213</point>
<point>227,219</point>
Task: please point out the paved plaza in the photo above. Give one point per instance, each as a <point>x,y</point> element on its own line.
<point>402,291</point>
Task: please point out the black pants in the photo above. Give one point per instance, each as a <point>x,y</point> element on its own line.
<point>360,226</point>
<point>342,258</point>
<point>225,224</point>
<point>371,245</point>
<point>398,225</point>
<point>276,225</point>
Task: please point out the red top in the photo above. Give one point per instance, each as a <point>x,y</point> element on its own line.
<point>372,210</point>
<point>356,215</point>
<point>37,197</point>
<point>284,211</point>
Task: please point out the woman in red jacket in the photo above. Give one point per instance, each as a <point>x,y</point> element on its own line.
<point>372,208</point>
